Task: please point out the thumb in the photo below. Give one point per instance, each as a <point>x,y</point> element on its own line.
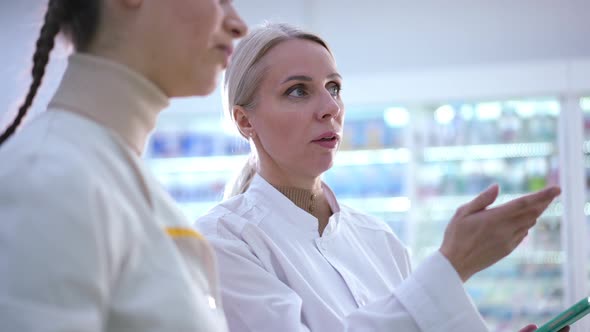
<point>481,201</point>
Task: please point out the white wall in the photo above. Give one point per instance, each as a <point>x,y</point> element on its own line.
<point>405,35</point>
<point>387,42</point>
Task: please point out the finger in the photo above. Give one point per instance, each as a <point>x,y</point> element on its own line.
<point>528,328</point>
<point>541,197</point>
<point>481,201</point>
<point>531,205</point>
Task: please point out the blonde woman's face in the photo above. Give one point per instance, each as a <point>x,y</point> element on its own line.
<point>298,114</point>
<point>191,42</point>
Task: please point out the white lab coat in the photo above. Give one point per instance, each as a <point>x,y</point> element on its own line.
<point>89,241</point>
<point>278,274</point>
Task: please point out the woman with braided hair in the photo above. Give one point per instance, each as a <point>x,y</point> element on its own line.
<point>88,240</point>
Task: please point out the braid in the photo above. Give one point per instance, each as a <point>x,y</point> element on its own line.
<point>56,14</point>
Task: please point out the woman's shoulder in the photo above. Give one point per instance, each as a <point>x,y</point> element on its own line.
<point>55,139</point>
<point>44,159</point>
<point>364,220</point>
<point>43,181</point>
<point>229,218</point>
<point>39,166</point>
<point>364,223</point>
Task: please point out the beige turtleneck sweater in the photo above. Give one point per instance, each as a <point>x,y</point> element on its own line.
<point>90,241</point>
<point>314,203</point>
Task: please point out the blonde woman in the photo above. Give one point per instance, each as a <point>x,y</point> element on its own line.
<point>291,258</point>
<point>89,241</point>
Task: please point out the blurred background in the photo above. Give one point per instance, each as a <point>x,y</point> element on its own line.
<point>442,99</point>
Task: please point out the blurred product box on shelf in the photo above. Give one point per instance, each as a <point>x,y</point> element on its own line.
<point>163,144</point>
<point>172,144</point>
<point>195,144</point>
<point>372,180</point>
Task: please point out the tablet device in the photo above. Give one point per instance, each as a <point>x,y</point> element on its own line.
<point>567,317</point>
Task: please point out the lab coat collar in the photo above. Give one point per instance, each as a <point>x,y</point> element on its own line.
<point>266,194</point>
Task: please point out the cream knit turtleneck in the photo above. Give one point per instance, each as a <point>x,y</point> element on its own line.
<point>113,96</point>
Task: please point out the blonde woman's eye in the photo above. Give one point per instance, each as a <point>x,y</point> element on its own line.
<point>297,92</point>
<point>335,90</point>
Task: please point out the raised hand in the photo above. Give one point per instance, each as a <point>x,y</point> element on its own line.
<point>478,236</point>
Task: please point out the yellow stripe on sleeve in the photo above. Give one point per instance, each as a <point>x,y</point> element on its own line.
<point>184,232</point>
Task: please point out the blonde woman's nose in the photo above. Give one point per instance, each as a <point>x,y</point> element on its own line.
<point>331,108</point>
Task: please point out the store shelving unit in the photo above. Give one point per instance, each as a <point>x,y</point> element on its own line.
<point>418,161</point>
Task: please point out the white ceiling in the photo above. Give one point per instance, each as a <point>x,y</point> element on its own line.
<point>372,36</point>
<point>377,35</point>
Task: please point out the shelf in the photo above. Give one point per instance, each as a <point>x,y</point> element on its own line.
<point>445,204</point>
<point>488,151</point>
<point>372,157</point>
<point>363,157</point>
<point>368,205</point>
<point>553,257</point>
<point>451,203</point>
<point>441,206</point>
<point>233,163</point>
<point>502,312</point>
<point>194,210</point>
<point>196,164</point>
<point>519,256</point>
<point>378,204</point>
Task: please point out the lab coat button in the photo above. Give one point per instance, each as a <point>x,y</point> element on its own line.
<point>212,303</point>
<point>360,299</point>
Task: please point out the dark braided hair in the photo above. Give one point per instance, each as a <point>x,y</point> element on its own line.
<point>78,20</point>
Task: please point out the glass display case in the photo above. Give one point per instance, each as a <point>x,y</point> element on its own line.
<point>461,149</point>
<point>411,165</point>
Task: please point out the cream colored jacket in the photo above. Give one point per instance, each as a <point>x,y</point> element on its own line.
<point>89,241</point>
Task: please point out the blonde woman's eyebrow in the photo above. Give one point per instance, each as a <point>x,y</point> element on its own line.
<point>297,78</point>
<point>335,75</point>
<point>309,79</point>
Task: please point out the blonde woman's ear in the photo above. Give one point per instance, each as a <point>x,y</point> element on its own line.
<point>242,121</point>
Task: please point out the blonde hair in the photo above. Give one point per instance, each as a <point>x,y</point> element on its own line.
<point>243,77</point>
